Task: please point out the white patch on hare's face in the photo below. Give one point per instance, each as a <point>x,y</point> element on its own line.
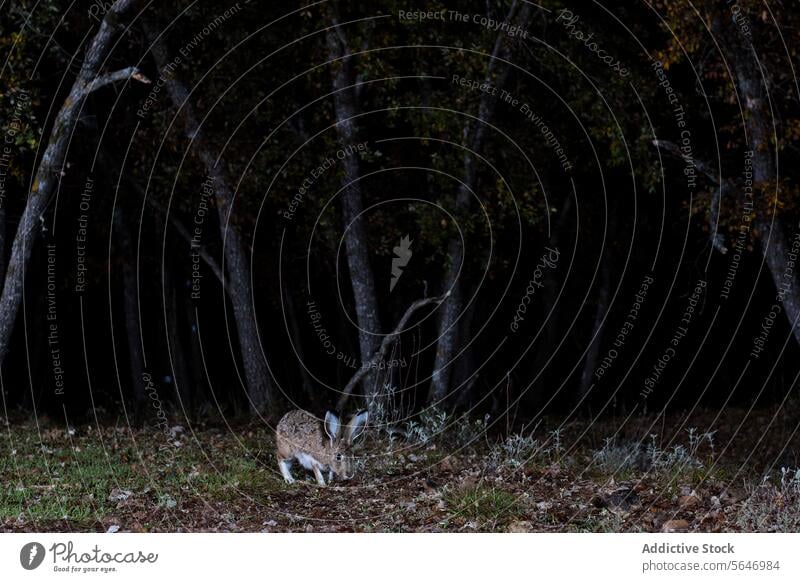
<point>308,461</point>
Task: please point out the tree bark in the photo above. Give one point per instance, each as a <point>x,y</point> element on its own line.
<point>199,392</point>
<point>297,339</point>
<point>464,379</point>
<point>474,135</point>
<point>752,84</point>
<point>551,316</point>
<point>48,174</point>
<point>130,303</point>
<point>361,275</point>
<point>177,342</point>
<point>3,231</point>
<point>596,339</point>
<point>257,375</point>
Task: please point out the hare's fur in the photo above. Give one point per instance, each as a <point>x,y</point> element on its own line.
<point>317,446</point>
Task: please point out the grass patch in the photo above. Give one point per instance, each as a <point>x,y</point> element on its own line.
<point>88,479</point>
<point>483,505</point>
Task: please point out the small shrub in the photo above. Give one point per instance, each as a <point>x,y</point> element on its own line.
<point>631,456</point>
<point>515,451</point>
<point>431,424</point>
<point>467,432</point>
<point>773,508</point>
<point>614,458</point>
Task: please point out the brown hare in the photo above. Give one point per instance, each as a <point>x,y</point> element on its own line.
<point>318,446</point>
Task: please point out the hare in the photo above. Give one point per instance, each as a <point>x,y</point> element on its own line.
<point>318,446</point>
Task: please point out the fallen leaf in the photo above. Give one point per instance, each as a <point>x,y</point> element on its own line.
<point>119,495</point>
<point>675,525</point>
<point>689,501</point>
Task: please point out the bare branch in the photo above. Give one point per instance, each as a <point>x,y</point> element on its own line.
<point>673,150</point>
<point>717,240</point>
<point>201,251</point>
<point>387,342</point>
<point>107,79</point>
<point>488,103</point>
<point>51,169</point>
<point>184,232</point>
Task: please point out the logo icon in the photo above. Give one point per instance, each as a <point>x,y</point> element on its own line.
<point>403,255</point>
<point>31,555</point>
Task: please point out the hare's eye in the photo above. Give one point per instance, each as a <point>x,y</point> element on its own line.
<point>339,456</point>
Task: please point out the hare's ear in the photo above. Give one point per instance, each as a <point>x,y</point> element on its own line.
<point>356,426</point>
<point>331,425</point>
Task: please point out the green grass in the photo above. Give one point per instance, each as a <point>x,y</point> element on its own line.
<point>483,505</point>
<point>71,478</point>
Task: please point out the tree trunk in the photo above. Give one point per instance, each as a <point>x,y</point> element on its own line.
<point>449,340</point>
<point>3,230</point>
<point>464,379</point>
<point>199,398</point>
<point>551,316</point>
<point>752,85</point>
<point>596,339</point>
<point>297,339</point>
<point>48,174</point>
<point>130,304</point>
<point>361,276</point>
<point>181,378</point>
<point>257,375</point>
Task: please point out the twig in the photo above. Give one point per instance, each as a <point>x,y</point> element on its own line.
<point>388,340</point>
<point>201,251</point>
<point>717,240</point>
<point>673,150</point>
<point>107,79</point>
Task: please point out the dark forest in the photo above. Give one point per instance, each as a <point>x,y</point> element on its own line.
<point>493,249</point>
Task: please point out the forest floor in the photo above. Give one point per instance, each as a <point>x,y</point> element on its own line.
<point>444,475</point>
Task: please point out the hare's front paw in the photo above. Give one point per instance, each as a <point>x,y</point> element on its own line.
<point>284,467</point>
<point>318,475</point>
